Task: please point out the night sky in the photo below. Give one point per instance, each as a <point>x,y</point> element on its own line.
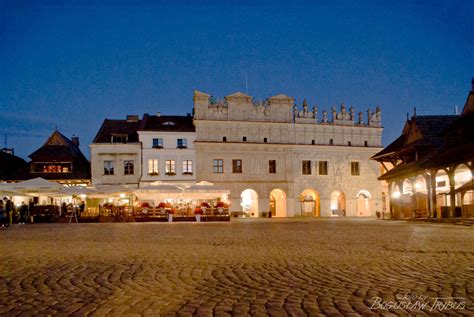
<point>72,65</point>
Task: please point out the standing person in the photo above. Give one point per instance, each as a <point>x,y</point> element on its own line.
<point>2,214</point>
<point>9,212</point>
<point>82,206</point>
<point>31,210</point>
<point>23,213</point>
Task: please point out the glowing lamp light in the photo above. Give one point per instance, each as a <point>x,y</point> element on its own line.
<point>122,195</point>
<point>417,186</point>
<point>396,194</point>
<point>83,196</point>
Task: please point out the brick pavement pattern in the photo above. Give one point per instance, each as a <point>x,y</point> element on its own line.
<point>277,267</point>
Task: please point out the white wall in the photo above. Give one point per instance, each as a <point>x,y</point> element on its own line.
<point>117,153</point>
<point>168,152</point>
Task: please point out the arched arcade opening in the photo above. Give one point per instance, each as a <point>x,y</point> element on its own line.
<point>278,203</point>
<point>249,202</point>
<point>310,203</point>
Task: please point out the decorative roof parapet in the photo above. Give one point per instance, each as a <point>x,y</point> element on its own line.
<point>279,108</point>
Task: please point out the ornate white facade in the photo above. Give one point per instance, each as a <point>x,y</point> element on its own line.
<point>274,157</point>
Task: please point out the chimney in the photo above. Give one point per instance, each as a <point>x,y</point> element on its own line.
<point>132,118</point>
<point>75,140</point>
<point>158,114</point>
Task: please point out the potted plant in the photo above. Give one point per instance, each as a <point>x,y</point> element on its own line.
<point>198,213</point>
<point>220,207</point>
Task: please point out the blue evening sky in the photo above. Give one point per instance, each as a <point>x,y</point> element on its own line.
<point>75,63</point>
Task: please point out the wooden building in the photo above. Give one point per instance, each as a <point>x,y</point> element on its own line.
<point>429,168</point>
<point>61,160</point>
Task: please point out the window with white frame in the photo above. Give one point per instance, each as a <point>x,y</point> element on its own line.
<point>128,167</point>
<point>170,167</point>
<point>218,166</point>
<point>182,143</point>
<point>188,167</point>
<point>108,167</point>
<point>153,167</point>
<point>157,143</point>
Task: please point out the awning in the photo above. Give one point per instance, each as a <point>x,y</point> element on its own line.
<point>205,190</point>
<point>35,186</point>
<point>107,191</point>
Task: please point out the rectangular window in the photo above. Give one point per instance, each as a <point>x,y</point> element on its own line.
<point>170,167</point>
<point>323,167</point>
<point>355,168</point>
<point>153,167</point>
<point>188,167</point>
<point>182,143</point>
<point>57,167</point>
<point>366,144</point>
<point>306,167</point>
<point>157,143</point>
<point>331,141</point>
<point>119,138</point>
<point>128,168</point>
<point>108,167</point>
<point>244,139</point>
<point>265,140</point>
<point>272,166</point>
<point>236,166</point>
<point>218,167</point>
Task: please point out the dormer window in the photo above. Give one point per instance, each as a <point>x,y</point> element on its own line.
<point>119,138</point>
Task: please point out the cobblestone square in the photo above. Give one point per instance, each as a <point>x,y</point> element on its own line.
<point>275,267</point>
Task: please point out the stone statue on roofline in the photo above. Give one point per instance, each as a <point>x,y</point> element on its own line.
<point>315,112</point>
<point>378,114</point>
<point>351,110</point>
<point>325,116</point>
<point>334,113</point>
<point>361,118</point>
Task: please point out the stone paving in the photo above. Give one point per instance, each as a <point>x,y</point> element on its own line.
<point>277,267</point>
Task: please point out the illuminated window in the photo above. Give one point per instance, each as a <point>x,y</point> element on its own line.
<point>153,167</point>
<point>188,167</point>
<point>170,167</point>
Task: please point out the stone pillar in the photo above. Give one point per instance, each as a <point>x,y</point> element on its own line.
<point>263,206</point>
<point>433,193</point>
<point>452,194</point>
<point>428,196</point>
